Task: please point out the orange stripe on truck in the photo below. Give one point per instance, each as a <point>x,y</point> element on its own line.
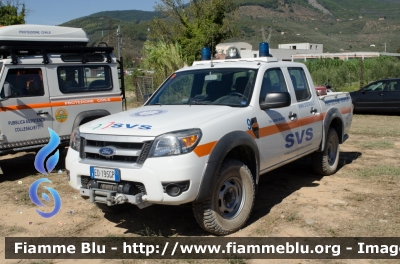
<point>205,149</point>
<point>345,110</point>
<point>63,103</point>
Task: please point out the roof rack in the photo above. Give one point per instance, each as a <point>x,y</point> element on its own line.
<point>14,51</point>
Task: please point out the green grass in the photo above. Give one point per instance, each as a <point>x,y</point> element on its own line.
<point>379,170</point>
<point>377,144</point>
<point>377,127</point>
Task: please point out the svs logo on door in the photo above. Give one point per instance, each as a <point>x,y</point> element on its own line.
<point>304,134</point>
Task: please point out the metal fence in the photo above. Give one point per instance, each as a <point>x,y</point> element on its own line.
<point>143,86</point>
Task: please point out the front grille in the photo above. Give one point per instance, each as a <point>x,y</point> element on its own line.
<point>113,158</point>
<point>126,152</point>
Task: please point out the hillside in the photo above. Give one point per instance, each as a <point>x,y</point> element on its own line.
<point>341,25</point>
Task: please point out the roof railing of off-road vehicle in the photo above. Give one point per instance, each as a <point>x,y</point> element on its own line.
<point>15,51</point>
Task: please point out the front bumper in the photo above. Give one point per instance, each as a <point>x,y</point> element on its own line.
<point>153,174</point>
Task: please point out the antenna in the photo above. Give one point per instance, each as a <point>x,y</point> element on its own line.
<point>269,36</point>
<point>263,34</point>
<point>212,39</point>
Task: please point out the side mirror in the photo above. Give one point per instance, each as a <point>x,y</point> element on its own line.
<point>7,90</point>
<point>276,100</point>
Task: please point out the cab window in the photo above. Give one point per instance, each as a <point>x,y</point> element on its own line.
<point>394,86</point>
<point>24,82</point>
<point>300,84</point>
<point>273,81</point>
<point>375,87</point>
<point>78,79</point>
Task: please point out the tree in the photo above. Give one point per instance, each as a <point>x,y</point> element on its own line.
<point>10,13</point>
<point>193,25</point>
<point>162,58</point>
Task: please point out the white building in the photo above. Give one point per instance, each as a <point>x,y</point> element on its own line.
<point>283,53</point>
<point>316,47</point>
<point>341,56</point>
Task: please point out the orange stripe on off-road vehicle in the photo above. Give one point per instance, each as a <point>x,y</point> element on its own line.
<point>61,103</point>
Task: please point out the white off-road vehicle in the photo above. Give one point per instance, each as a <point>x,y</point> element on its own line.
<point>205,136</point>
<point>49,78</point>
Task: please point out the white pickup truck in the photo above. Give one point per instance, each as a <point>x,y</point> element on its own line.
<point>206,135</point>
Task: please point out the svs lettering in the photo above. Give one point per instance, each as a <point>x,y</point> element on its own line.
<point>290,139</point>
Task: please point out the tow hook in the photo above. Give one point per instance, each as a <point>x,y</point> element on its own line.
<point>119,199</point>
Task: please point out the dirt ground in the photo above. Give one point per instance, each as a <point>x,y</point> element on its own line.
<point>361,199</point>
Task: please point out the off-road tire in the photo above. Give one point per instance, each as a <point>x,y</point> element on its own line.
<point>234,180</point>
<point>326,162</point>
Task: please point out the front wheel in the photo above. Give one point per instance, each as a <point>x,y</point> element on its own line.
<point>231,201</point>
<point>326,162</point>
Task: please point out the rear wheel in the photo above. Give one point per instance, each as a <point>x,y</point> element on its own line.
<point>231,201</point>
<point>326,162</point>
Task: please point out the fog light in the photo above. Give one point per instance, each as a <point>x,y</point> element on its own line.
<point>173,190</point>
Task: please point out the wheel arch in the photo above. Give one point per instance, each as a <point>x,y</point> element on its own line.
<point>234,145</point>
<point>333,118</point>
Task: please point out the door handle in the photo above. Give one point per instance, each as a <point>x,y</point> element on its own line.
<point>42,113</point>
<point>313,110</point>
<point>292,115</point>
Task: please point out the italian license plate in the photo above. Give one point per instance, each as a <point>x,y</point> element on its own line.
<point>105,174</point>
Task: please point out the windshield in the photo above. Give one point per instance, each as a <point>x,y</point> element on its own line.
<point>232,87</point>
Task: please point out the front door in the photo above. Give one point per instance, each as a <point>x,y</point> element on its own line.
<point>371,98</point>
<point>25,114</point>
<point>278,127</point>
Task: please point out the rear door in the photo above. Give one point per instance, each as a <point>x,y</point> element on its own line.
<point>391,96</point>
<point>309,116</point>
<point>25,115</point>
<point>82,91</point>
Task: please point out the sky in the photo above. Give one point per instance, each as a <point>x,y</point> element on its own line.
<point>45,12</point>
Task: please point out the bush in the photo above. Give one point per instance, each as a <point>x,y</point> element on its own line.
<point>344,74</point>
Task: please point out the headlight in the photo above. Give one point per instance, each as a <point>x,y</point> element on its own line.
<point>175,143</point>
<point>75,140</point>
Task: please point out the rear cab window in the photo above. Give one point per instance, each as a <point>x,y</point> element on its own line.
<point>300,84</point>
<point>80,79</point>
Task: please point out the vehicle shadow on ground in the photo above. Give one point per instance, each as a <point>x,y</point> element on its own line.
<point>161,220</point>
<point>19,167</point>
<point>278,184</point>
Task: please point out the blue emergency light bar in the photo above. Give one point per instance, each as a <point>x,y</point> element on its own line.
<point>205,53</point>
<point>264,49</point>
